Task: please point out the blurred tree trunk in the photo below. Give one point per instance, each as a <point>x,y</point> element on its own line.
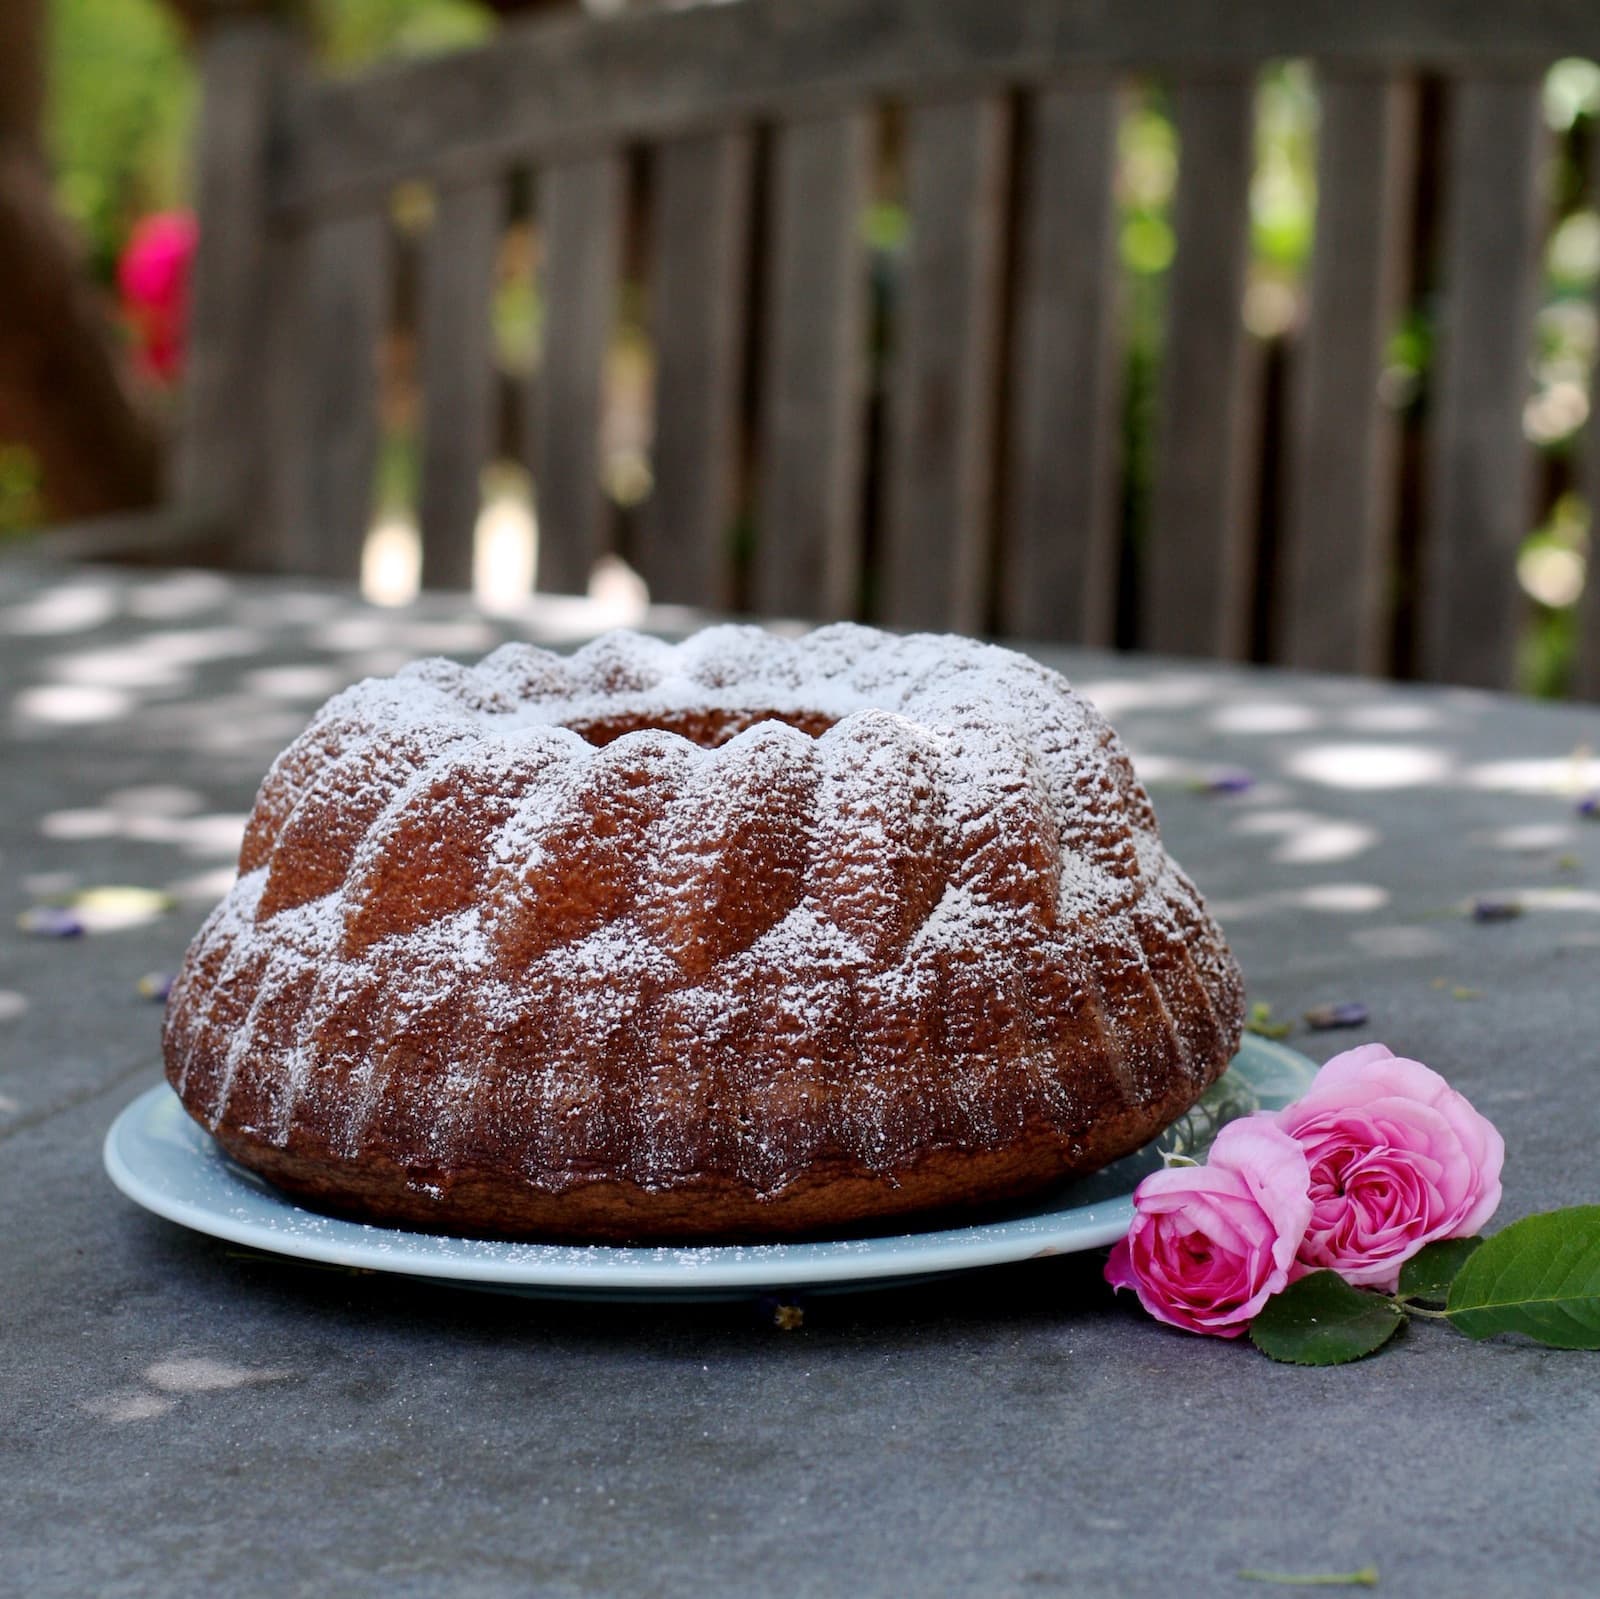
<point>63,391</point>
<point>22,72</point>
<point>64,386</point>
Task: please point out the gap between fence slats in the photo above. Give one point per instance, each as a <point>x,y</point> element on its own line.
<point>701,254</point>
<point>1196,566</point>
<point>1058,578</point>
<point>939,472</point>
<point>580,228</point>
<point>1478,497</point>
<point>808,532</point>
<point>1339,515</point>
<point>457,367</point>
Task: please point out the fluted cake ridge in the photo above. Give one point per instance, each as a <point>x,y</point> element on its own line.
<point>740,935</point>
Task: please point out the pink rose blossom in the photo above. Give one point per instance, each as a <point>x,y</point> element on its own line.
<point>153,275</point>
<point>1209,1245</point>
<point>1398,1159</point>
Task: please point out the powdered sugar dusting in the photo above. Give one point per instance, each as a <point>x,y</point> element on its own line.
<point>897,894</point>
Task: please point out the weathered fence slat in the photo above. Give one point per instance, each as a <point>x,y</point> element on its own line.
<point>219,476</point>
<point>808,543</point>
<point>1586,665</point>
<point>1194,580</point>
<point>457,376</point>
<point>580,225</point>
<point>1059,573</point>
<point>1339,507</point>
<point>325,406</point>
<point>1478,505</point>
<point>939,469</point>
<point>701,243</point>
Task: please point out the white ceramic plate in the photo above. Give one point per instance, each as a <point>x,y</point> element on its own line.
<point>164,1161</point>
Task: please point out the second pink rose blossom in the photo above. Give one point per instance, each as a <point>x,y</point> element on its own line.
<point>1379,1157</point>
<point>1397,1159</point>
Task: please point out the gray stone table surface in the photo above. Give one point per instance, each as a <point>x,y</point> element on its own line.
<point>178,1417</point>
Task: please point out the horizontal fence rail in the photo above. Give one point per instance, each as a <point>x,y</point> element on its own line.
<point>548,87</point>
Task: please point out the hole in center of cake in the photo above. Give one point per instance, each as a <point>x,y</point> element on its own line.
<point>708,728</point>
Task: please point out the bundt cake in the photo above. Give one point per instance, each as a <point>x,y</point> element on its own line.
<point>745,936</point>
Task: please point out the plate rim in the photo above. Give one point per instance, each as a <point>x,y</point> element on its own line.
<point>611,1268</point>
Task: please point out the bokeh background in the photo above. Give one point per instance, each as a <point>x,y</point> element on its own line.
<point>112,90</point>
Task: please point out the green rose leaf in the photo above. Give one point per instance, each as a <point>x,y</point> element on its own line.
<point>1260,1021</point>
<point>1322,1321</point>
<point>1540,1276</point>
<point>1429,1272</point>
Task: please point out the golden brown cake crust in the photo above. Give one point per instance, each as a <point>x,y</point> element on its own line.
<point>744,937</point>
<point>828,1195</point>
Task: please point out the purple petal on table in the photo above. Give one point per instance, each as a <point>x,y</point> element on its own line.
<point>1347,1013</point>
<point>1589,806</point>
<point>1495,910</point>
<point>155,985</point>
<point>51,921</point>
<point>1227,780</point>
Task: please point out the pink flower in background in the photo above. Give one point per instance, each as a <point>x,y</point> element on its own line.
<point>153,276</point>
<point>1398,1159</point>
<point>1211,1244</point>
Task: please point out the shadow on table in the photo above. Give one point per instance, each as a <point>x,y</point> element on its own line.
<point>1058,1290</point>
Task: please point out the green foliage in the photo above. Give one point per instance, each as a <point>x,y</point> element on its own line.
<point>1259,1021</point>
<point>1429,1272</point>
<point>1283,192</point>
<point>1573,257</point>
<point>518,322</point>
<point>122,98</point>
<point>1147,176</point>
<point>885,227</point>
<point>351,33</point>
<point>1322,1321</point>
<point>1571,90</point>
<point>20,506</point>
<point>124,93</point>
<point>1552,570</point>
<point>1540,1276</point>
<point>398,473</point>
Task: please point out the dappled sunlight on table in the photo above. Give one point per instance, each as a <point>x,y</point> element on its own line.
<point>1573,774</point>
<point>1305,837</point>
<point>1369,766</point>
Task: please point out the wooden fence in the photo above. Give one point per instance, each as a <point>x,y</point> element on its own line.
<point>972,478</point>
